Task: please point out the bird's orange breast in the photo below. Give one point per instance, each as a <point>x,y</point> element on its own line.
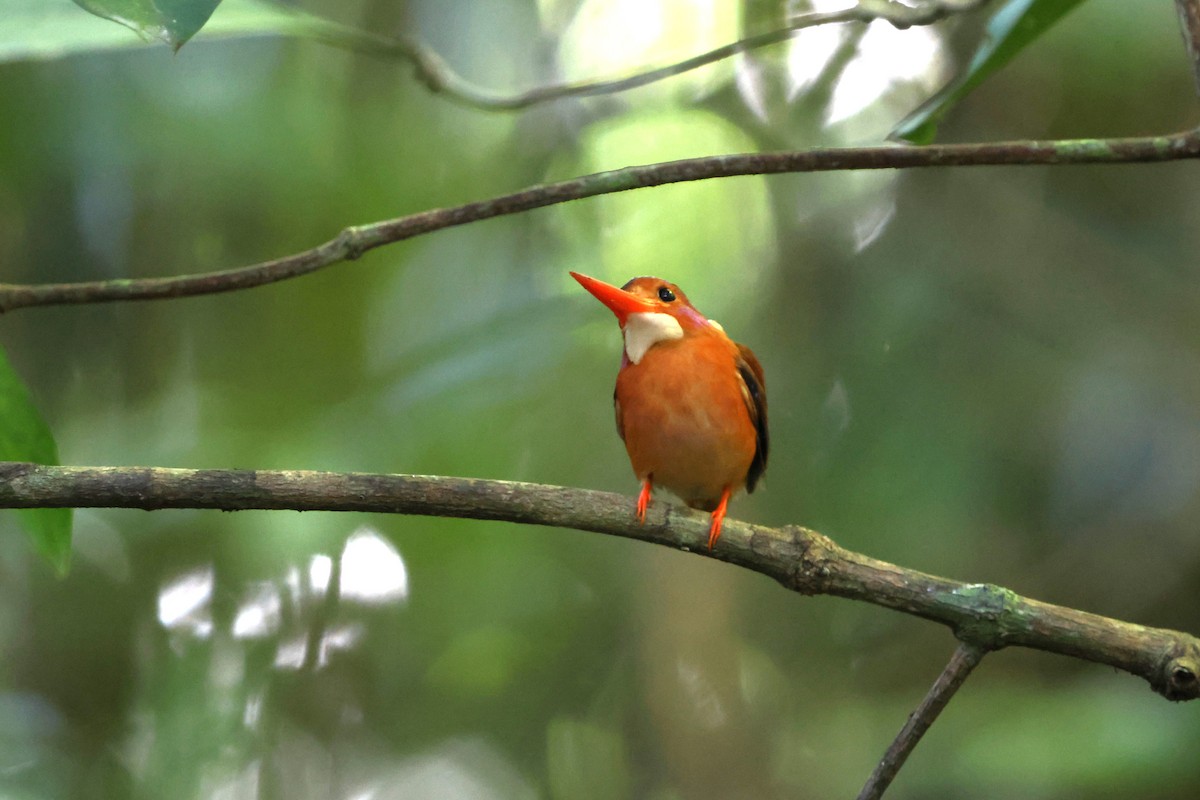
<point>682,413</point>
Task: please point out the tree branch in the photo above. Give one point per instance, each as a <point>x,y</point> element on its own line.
<point>1189,22</point>
<point>984,616</point>
<point>354,241</point>
<point>966,657</point>
<point>438,77</point>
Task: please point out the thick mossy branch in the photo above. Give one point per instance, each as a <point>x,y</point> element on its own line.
<point>983,616</point>
<point>353,242</point>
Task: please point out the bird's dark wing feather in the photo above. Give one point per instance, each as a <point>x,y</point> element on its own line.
<point>754,390</point>
<point>620,420</point>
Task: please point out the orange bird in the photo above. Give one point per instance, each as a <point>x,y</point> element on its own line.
<point>691,403</point>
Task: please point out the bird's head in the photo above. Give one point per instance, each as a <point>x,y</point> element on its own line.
<point>649,310</point>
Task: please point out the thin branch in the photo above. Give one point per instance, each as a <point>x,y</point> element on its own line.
<point>966,657</point>
<point>984,616</point>
<point>1189,22</point>
<point>438,77</point>
<point>354,241</point>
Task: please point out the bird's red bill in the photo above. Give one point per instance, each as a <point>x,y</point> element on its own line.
<point>619,301</point>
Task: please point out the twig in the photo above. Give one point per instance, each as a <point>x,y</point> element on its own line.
<point>984,616</point>
<point>1189,22</point>
<point>438,77</point>
<point>354,241</point>
<point>966,657</point>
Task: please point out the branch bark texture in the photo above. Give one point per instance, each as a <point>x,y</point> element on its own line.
<point>354,241</point>
<point>984,616</point>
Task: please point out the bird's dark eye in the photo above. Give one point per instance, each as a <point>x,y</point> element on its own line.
<point>665,294</point>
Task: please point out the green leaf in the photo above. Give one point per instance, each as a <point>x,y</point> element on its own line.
<point>24,436</point>
<point>172,21</point>
<point>1014,26</point>
<point>43,29</point>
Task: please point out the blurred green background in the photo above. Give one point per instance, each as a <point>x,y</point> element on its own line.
<point>990,374</point>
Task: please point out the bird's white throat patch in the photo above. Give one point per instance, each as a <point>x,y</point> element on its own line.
<point>643,331</point>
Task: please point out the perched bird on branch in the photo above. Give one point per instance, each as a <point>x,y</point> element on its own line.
<point>691,403</point>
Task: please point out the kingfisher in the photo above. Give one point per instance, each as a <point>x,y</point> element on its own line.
<point>691,403</point>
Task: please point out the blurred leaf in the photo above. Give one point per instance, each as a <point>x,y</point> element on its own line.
<point>172,21</point>
<point>1014,26</point>
<point>1131,745</point>
<point>585,761</point>
<point>760,16</point>
<point>24,436</point>
<point>43,29</point>
<point>693,232</point>
<point>482,662</point>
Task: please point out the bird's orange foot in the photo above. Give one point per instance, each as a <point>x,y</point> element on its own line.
<point>718,516</point>
<point>643,502</point>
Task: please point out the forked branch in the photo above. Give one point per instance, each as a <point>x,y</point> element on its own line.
<point>432,70</point>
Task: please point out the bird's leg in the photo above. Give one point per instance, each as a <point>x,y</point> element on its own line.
<point>643,501</point>
<point>718,516</point>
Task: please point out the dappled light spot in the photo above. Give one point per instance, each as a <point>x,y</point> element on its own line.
<point>293,653</point>
<point>870,223</point>
<point>372,570</point>
<point>252,711</point>
<point>810,52</point>
<point>616,37</point>
<point>290,654</point>
<point>692,233</point>
<point>291,580</point>
<point>706,702</point>
<point>340,638</point>
<point>259,613</point>
<point>300,612</point>
<point>320,568</point>
<point>184,603</point>
<point>884,60</point>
